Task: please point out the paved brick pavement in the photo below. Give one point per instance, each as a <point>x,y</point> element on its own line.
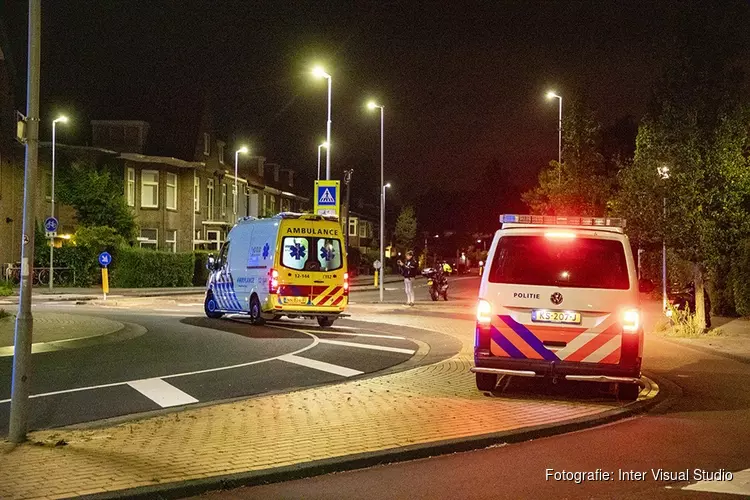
<point>52,327</point>
<point>423,405</point>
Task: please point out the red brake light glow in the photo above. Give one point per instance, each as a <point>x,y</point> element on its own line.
<point>631,320</point>
<point>273,281</point>
<point>346,283</point>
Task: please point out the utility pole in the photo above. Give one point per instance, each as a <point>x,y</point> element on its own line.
<point>347,181</point>
<point>19,403</point>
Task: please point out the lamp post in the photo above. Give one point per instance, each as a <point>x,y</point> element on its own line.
<point>664,174</point>
<point>382,236</point>
<point>61,119</point>
<point>242,150</point>
<point>324,145</point>
<point>319,72</point>
<point>552,95</point>
<point>372,105</point>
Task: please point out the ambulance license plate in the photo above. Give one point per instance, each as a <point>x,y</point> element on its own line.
<point>295,300</point>
<point>547,316</point>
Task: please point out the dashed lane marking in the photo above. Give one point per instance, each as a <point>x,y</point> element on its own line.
<point>367,346</point>
<point>320,365</point>
<point>739,485</point>
<point>162,393</point>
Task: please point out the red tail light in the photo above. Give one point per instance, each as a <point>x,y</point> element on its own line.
<point>346,283</point>
<point>273,281</point>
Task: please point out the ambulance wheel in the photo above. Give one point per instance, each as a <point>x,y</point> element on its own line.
<point>486,382</point>
<point>324,321</point>
<point>211,307</point>
<point>256,317</point>
<point>628,392</point>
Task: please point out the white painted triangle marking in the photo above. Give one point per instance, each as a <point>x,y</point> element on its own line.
<point>162,393</point>
<point>320,365</point>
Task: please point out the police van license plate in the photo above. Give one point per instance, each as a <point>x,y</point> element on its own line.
<point>547,316</point>
<point>295,300</point>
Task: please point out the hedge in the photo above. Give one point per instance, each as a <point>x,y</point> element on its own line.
<point>140,268</point>
<point>741,278</point>
<point>200,273</point>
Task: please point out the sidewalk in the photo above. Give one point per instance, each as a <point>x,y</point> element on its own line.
<point>426,410</point>
<point>75,294</point>
<point>733,339</point>
<point>54,331</point>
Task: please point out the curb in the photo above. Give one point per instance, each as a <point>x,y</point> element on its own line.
<point>194,487</point>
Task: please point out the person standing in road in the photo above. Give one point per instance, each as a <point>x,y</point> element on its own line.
<point>409,272</point>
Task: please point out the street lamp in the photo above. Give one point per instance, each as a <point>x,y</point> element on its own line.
<point>320,73</point>
<point>664,174</point>
<point>552,95</point>
<point>372,105</point>
<point>61,119</point>
<point>324,145</point>
<point>242,150</point>
<point>382,236</point>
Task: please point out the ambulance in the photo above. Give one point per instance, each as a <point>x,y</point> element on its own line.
<point>290,265</point>
<point>559,298</point>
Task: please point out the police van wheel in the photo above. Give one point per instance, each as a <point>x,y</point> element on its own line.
<point>255,312</point>
<point>486,381</point>
<point>324,321</point>
<point>628,392</point>
<point>211,307</point>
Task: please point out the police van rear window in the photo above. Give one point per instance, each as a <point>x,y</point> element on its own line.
<point>311,254</point>
<point>566,262</point>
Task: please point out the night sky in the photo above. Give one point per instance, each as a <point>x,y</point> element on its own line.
<point>463,83</point>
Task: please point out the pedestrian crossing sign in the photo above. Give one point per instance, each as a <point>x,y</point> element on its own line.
<point>327,198</point>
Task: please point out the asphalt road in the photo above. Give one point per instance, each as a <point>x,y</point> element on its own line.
<point>702,425</point>
<point>186,358</point>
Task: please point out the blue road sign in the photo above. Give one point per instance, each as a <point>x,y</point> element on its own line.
<point>50,224</point>
<point>105,259</point>
<point>327,196</point>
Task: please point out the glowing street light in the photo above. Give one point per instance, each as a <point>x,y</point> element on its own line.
<point>320,73</point>
<point>324,145</point>
<point>553,95</point>
<point>242,150</point>
<point>59,119</point>
<point>663,172</point>
<point>373,105</point>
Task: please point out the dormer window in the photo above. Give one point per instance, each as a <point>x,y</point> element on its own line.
<point>220,148</point>
<point>206,144</point>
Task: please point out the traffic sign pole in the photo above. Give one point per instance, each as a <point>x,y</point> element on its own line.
<point>50,225</point>
<point>19,402</point>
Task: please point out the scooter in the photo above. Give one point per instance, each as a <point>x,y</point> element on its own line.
<point>437,283</point>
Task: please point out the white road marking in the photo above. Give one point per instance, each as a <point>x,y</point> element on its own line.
<point>168,310</point>
<point>162,393</point>
<point>739,485</point>
<point>367,346</point>
<point>372,335</point>
<point>315,342</point>
<point>320,365</point>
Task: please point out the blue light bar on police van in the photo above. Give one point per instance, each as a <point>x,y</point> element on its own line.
<point>559,220</point>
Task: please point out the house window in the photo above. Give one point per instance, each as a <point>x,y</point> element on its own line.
<point>206,144</point>
<point>171,240</point>
<point>196,193</point>
<point>265,203</point>
<point>213,238</point>
<point>352,226</point>
<point>220,148</point>
<point>149,189</point>
<point>172,191</point>
<point>273,205</point>
<point>210,199</point>
<point>130,187</point>
<point>149,238</point>
<point>223,200</point>
<point>363,230</point>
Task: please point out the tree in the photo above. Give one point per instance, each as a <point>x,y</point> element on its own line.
<point>580,185</point>
<point>96,196</point>
<point>406,228</point>
<point>689,182</point>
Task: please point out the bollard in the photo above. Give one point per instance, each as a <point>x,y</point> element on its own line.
<point>376,278</point>
<point>105,282</point>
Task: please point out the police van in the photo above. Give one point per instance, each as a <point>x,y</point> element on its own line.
<point>289,265</point>
<point>559,298</point>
